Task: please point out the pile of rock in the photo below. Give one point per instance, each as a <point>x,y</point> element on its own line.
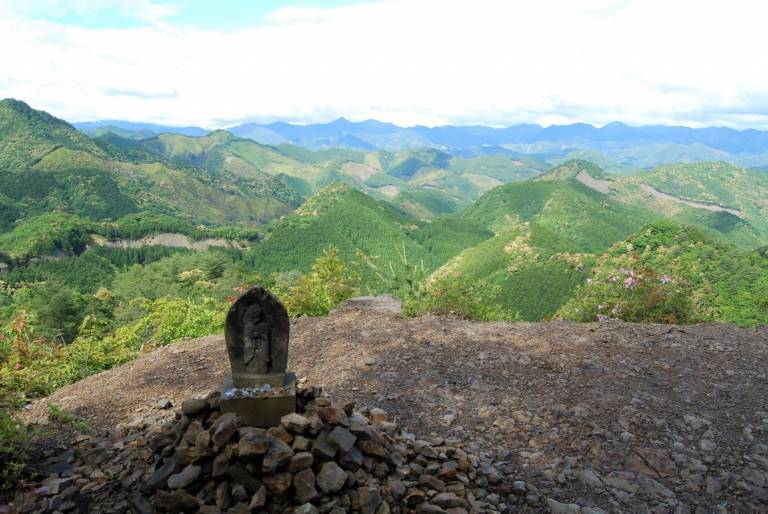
<point>327,457</point>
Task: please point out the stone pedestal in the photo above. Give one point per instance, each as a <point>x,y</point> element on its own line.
<point>269,398</point>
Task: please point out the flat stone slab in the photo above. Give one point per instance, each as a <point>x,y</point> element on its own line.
<point>260,407</point>
<point>386,303</point>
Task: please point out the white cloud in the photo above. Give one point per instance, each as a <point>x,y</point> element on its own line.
<point>409,61</point>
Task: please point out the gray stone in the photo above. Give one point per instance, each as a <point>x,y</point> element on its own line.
<point>589,478</point>
<point>397,488</point>
<point>239,493</point>
<point>754,476</point>
<point>299,461</point>
<point>331,477</point>
<point>322,448</point>
<point>295,423</point>
<point>652,487</point>
<point>519,488</point>
<point>432,482</point>
<point>224,428</point>
<point>223,496</point>
<point>307,508</point>
<point>370,499</point>
<point>185,477</point>
<point>278,484</point>
<point>56,485</point>
<point>160,476</point>
<point>140,504</point>
<point>428,508</point>
<point>259,499</point>
<point>176,501</point>
<point>425,449</point>
<point>277,455</point>
<point>243,477</point>
<point>253,444</point>
<point>342,438</point>
<point>448,500</point>
<point>220,465</point>
<point>304,486</point>
<point>562,508</point>
<point>352,460</point>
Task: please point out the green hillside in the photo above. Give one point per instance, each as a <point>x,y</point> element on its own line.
<point>349,220</point>
<point>118,131</point>
<point>47,166</point>
<point>424,182</point>
<point>27,135</point>
<point>220,151</point>
<point>672,273</point>
<point>572,168</point>
<point>733,202</point>
<point>48,234</point>
<point>586,220</point>
<point>546,236</point>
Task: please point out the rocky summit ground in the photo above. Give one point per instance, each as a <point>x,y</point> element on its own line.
<point>614,416</point>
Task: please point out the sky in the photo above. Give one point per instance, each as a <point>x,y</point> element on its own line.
<point>431,62</point>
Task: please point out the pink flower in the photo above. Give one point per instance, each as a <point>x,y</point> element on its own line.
<point>665,279</point>
<point>630,282</point>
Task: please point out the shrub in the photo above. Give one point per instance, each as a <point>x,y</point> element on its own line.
<point>459,296</point>
<point>636,296</point>
<point>31,366</point>
<point>15,439</point>
<point>328,283</point>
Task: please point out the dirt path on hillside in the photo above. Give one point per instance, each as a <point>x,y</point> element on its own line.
<point>617,415</point>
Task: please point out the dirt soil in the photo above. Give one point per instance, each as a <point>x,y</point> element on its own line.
<point>620,416</point>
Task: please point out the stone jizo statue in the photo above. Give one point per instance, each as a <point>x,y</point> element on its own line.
<point>259,390</point>
<point>256,333</point>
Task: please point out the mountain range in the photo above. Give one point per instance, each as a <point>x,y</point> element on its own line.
<point>615,146</point>
<point>524,233</point>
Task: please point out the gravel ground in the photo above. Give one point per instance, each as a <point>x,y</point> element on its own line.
<point>621,416</point>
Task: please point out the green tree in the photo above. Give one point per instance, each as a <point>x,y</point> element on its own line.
<point>328,283</point>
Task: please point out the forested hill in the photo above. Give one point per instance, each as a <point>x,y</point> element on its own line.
<point>49,168</point>
<point>28,135</point>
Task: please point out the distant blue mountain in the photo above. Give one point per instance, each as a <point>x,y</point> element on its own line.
<point>719,138</point>
<point>616,145</point>
<point>147,128</point>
